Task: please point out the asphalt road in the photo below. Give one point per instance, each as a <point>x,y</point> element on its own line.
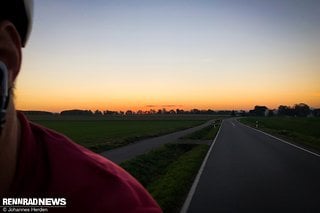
<point>248,171</point>
<point>132,150</point>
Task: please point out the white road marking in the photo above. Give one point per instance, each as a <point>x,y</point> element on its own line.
<point>186,204</point>
<point>283,141</point>
<point>233,124</point>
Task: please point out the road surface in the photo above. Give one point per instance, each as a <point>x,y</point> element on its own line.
<point>132,150</point>
<point>248,171</point>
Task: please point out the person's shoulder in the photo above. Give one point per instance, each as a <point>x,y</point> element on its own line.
<point>88,180</point>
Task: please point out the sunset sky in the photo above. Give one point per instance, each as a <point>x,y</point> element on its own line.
<point>143,54</point>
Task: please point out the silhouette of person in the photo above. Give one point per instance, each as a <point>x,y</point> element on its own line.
<point>36,162</point>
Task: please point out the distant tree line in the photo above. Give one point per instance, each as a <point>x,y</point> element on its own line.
<point>298,110</point>
<point>301,110</point>
<point>163,111</point>
<point>148,112</point>
<point>34,112</point>
<point>76,112</point>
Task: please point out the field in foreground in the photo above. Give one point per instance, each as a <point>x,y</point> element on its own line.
<point>102,134</point>
<point>304,131</point>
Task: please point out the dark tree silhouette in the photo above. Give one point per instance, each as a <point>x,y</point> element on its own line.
<point>316,112</point>
<point>285,110</point>
<point>301,109</point>
<point>33,112</point>
<point>258,111</point>
<point>129,112</point>
<point>76,112</point>
<point>97,112</point>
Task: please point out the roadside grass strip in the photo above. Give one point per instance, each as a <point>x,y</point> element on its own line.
<point>207,133</point>
<point>150,166</point>
<point>303,131</point>
<point>168,172</point>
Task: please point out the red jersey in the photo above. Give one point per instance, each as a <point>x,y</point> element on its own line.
<point>51,165</point>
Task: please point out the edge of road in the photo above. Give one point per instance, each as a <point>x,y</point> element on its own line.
<point>187,202</point>
<point>279,139</point>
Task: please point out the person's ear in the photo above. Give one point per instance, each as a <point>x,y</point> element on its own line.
<point>10,49</point>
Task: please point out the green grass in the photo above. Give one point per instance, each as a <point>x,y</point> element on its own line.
<point>207,133</point>
<point>100,135</point>
<point>172,188</point>
<point>168,172</point>
<point>149,167</point>
<point>304,131</point>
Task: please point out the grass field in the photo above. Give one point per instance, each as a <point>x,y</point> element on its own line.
<point>304,131</point>
<point>168,172</point>
<point>100,133</point>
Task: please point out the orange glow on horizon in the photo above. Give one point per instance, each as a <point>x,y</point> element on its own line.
<point>225,103</point>
<point>119,96</point>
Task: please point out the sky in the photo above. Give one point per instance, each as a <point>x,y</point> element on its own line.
<point>151,54</point>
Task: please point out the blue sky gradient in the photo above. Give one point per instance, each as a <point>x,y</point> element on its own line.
<point>133,53</point>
